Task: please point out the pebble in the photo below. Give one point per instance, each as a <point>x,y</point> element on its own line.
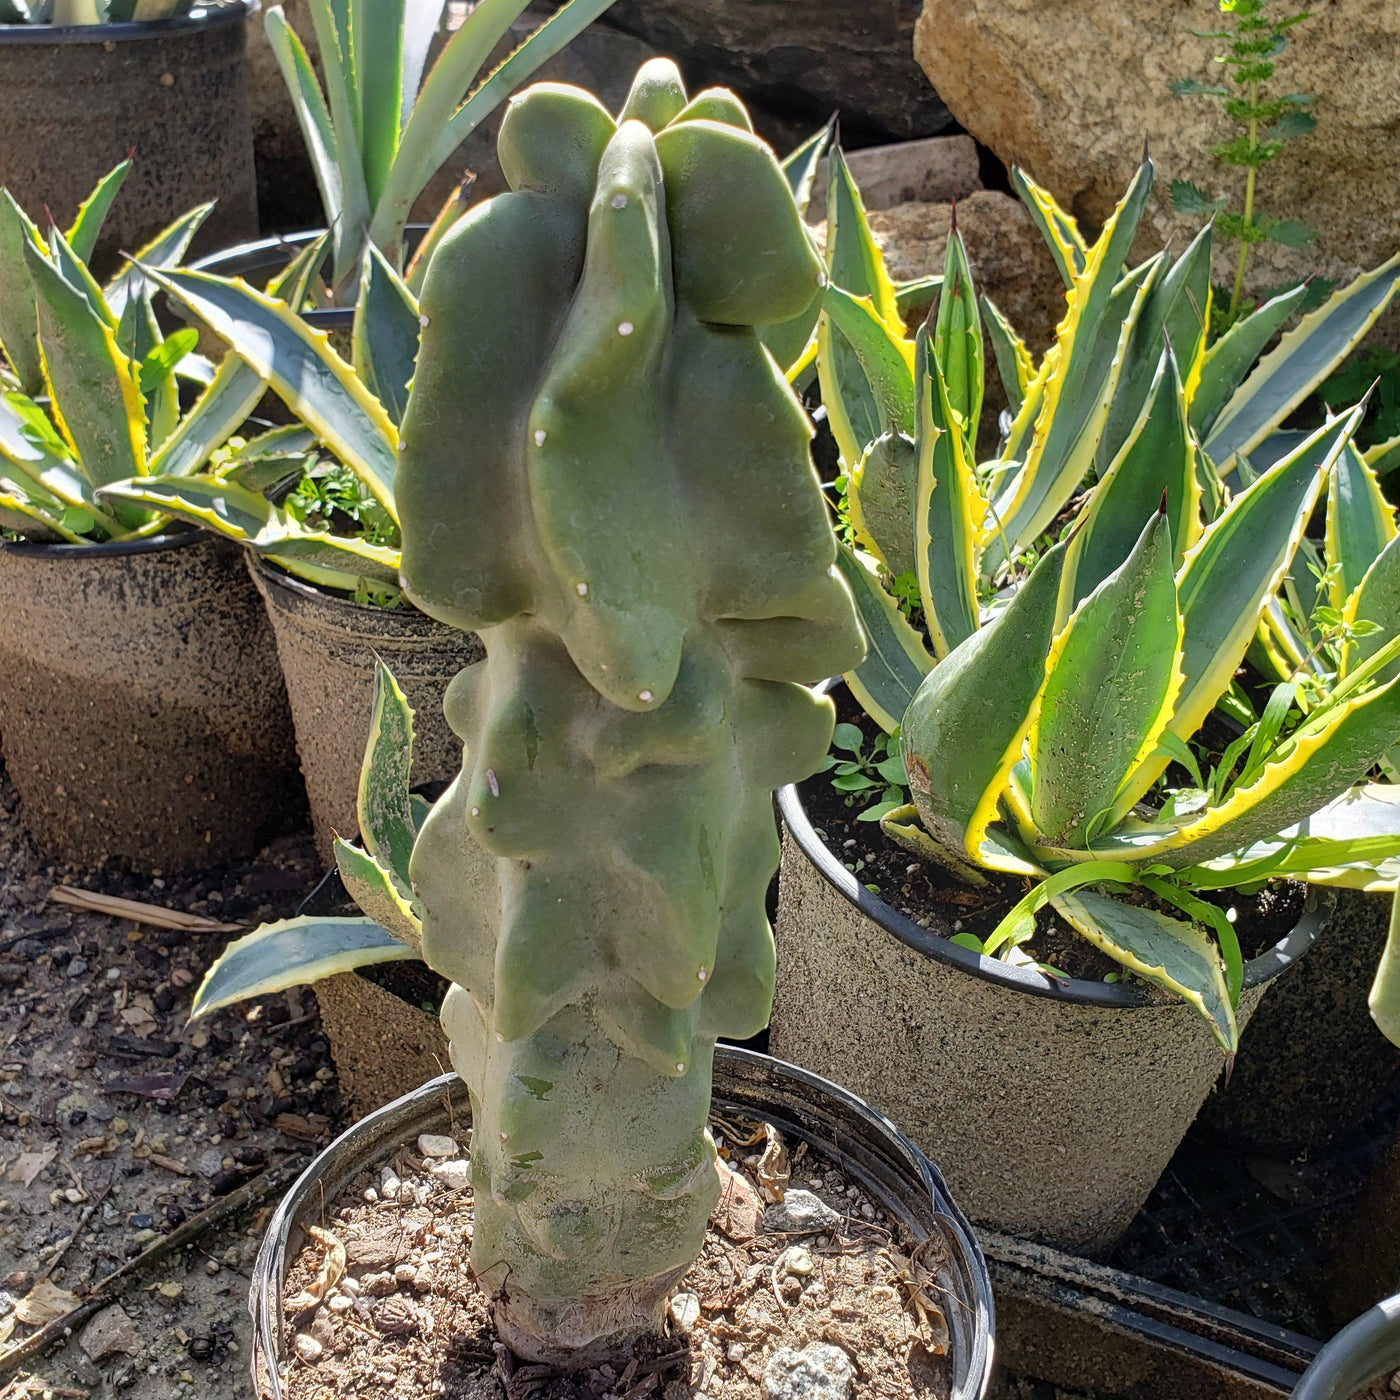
<point>307,1348</point>
<point>685,1312</point>
<point>120,1127</point>
<point>210,1162</point>
<point>437,1145</point>
<point>817,1372</point>
<point>796,1260</point>
<point>378,1285</point>
<point>170,1293</point>
<point>110,1332</point>
<point>76,968</point>
<point>389,1183</point>
<point>141,1220</point>
<point>455,1174</point>
<point>403,1273</point>
<point>341,1303</point>
<point>801,1213</point>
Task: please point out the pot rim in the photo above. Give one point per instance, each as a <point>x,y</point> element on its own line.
<point>124,31</point>
<point>280,578</point>
<point>1367,1347</point>
<point>1118,996</point>
<point>273,252</point>
<point>973,1324</point>
<point>179,538</point>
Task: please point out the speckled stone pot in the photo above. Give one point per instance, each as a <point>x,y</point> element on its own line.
<point>142,711</point>
<point>75,100</point>
<point>1052,1107</point>
<point>328,646</point>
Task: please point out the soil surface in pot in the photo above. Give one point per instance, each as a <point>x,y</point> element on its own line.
<point>935,900</point>
<point>408,1319</point>
<point>121,1122</point>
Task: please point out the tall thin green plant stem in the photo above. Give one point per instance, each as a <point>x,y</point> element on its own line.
<point>1238,289</point>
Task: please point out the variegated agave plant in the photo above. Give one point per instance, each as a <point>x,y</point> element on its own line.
<point>91,391</point>
<point>1039,724</point>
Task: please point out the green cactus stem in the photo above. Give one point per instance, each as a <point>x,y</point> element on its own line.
<point>606,476</point>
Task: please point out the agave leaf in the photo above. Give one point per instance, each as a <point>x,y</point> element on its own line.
<point>92,212</point>
<point>1110,681</point>
<point>385,336</point>
<point>1174,316</point>
<point>291,953</point>
<point>896,660</point>
<point>957,337</point>
<point>854,261</point>
<point>95,397</point>
<point>880,500</point>
<point>1060,232</point>
<point>965,727</point>
<point>1013,359</point>
<point>1384,1000</point>
<point>218,413</point>
<point>1082,379</point>
<point>1157,457</point>
<point>947,505</point>
<point>74,271</point>
<point>421,24</point>
<point>1300,362</point>
<point>1360,523</point>
<point>378,30</point>
<point>1233,355</point>
<point>801,165</point>
<point>166,249</point>
<point>866,374</point>
<point>19,321</point>
<point>333,149</point>
<point>314,382</point>
<point>377,892</point>
<point>386,815</point>
<point>1171,952</point>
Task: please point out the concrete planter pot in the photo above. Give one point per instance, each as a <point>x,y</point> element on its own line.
<point>142,711</point>
<point>1052,1107</point>
<point>75,100</point>
<point>328,646</point>
<point>834,1124</point>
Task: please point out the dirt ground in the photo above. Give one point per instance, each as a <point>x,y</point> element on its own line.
<point>120,1123</point>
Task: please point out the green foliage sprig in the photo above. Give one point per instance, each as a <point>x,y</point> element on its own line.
<point>1267,121</point>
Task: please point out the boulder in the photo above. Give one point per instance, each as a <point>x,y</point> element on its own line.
<point>932,171</point>
<point>805,60</point>
<point>1070,89</point>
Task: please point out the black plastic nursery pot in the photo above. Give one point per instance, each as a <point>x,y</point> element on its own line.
<point>77,99</point>
<point>1365,1350</point>
<point>868,1149</point>
<point>142,713</point>
<point>328,645</point>
<point>1053,1106</point>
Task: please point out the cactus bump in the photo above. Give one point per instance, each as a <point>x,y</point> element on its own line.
<point>606,476</point>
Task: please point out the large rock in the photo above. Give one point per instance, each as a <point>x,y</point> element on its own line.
<point>1071,88</point>
<point>804,59</point>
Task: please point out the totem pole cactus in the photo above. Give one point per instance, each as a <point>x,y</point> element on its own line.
<point>605,475</point>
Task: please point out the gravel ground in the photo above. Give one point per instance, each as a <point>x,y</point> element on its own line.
<point>121,1122</point>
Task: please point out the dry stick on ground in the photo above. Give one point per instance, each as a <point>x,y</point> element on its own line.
<point>156,915</point>
<point>115,1285</point>
<point>79,1227</point>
